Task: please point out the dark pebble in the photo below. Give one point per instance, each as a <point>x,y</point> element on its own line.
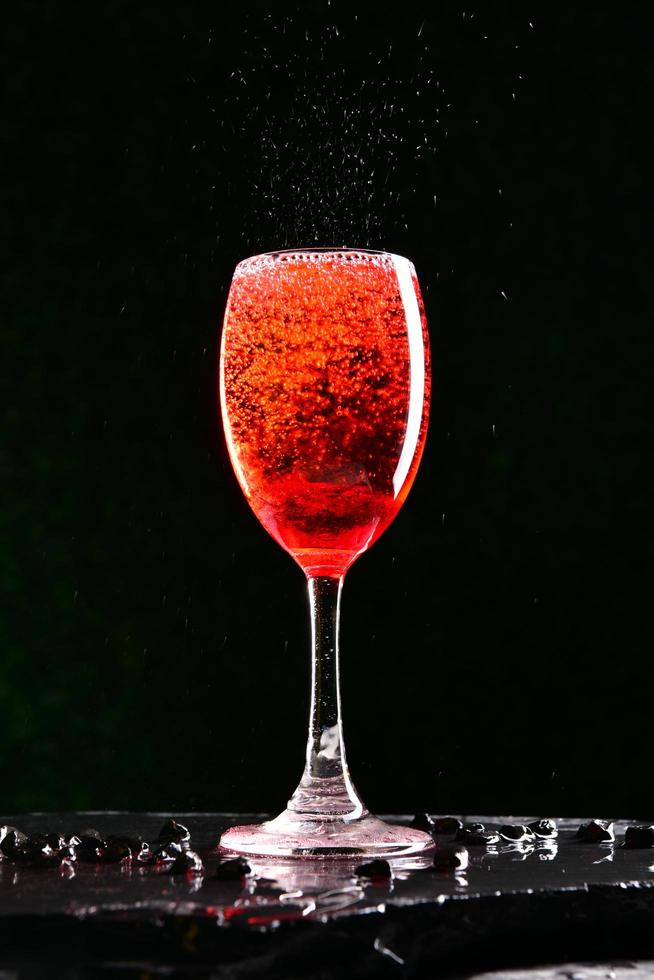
<point>543,828</point>
<point>187,862</point>
<point>422,821</point>
<point>436,825</point>
<point>11,841</point>
<point>38,858</point>
<point>39,850</point>
<point>92,832</point>
<point>472,838</point>
<point>446,825</point>
<point>596,832</point>
<point>642,836</point>
<point>173,832</point>
<point>476,828</point>
<point>4,830</point>
<point>36,851</point>
<point>374,869</point>
<point>451,857</point>
<point>116,852</point>
<point>136,845</point>
<point>233,870</point>
<point>47,846</point>
<point>88,847</point>
<point>516,832</point>
<point>162,853</point>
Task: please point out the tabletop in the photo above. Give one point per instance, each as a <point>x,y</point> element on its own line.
<point>540,901</point>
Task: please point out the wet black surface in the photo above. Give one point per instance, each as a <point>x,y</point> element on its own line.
<point>515,903</point>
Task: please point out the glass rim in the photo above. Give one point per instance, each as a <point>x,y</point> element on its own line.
<point>323,249</point>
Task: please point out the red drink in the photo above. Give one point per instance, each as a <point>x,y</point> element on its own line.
<point>325,395</point>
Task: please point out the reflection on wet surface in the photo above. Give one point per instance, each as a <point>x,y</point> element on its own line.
<point>276,890</point>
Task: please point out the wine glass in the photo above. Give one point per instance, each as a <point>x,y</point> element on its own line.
<point>324,390</point>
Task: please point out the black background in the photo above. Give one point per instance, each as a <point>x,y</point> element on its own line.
<point>153,638</point>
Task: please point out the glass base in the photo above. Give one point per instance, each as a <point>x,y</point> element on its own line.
<point>292,834</point>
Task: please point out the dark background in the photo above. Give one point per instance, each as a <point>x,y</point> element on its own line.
<point>153,639</point>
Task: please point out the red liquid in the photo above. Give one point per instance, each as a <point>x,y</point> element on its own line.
<point>325,393</point>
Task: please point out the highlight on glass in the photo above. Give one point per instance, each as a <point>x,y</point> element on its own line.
<point>324,391</point>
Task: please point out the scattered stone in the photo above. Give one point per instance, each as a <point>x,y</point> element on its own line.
<point>517,833</point>
<point>162,853</point>
<point>37,852</point>
<point>138,847</point>
<point>446,825</point>
<point>186,862</point>
<point>11,841</point>
<point>436,825</point>
<point>116,852</point>
<point>135,843</point>
<point>596,832</point>
<point>36,858</point>
<point>543,828</point>
<point>374,869</point>
<point>422,821</point>
<point>471,837</point>
<point>88,846</point>
<point>51,849</point>
<point>92,832</point>
<point>233,869</point>
<point>451,857</point>
<point>175,833</point>
<point>4,830</point>
<point>68,850</point>
<point>641,836</point>
<point>120,847</point>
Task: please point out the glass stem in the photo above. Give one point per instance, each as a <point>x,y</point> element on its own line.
<point>325,790</point>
